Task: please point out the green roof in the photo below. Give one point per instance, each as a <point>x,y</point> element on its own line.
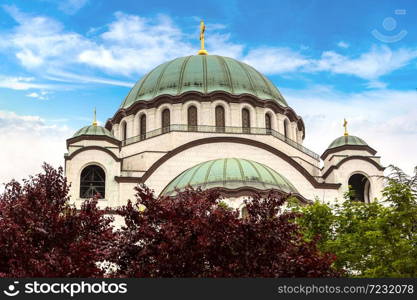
<point>347,140</point>
<point>204,74</point>
<point>93,130</point>
<point>232,174</point>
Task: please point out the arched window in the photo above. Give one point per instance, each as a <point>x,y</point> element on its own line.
<point>124,131</point>
<point>192,118</point>
<point>220,119</point>
<point>92,182</point>
<point>166,120</point>
<point>286,129</point>
<point>359,187</point>
<point>246,120</point>
<point>268,125</point>
<point>142,127</point>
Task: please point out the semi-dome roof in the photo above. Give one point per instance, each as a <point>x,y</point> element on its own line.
<point>230,174</point>
<point>347,140</point>
<point>93,130</point>
<point>204,74</point>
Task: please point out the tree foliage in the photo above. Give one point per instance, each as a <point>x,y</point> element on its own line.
<point>195,235</point>
<point>377,239</point>
<point>42,235</point>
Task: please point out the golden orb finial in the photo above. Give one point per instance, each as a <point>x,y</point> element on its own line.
<point>345,125</point>
<point>202,51</point>
<point>95,118</point>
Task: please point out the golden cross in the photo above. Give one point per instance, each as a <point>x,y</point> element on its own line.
<point>95,118</point>
<point>345,125</point>
<point>202,51</point>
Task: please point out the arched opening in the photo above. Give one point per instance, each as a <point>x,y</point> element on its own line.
<point>142,127</point>
<point>359,187</point>
<point>192,118</point>
<point>246,120</point>
<point>286,128</point>
<point>220,119</point>
<point>268,123</point>
<point>92,182</point>
<point>166,120</point>
<point>124,131</point>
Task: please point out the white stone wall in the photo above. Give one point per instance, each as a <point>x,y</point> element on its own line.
<point>206,116</point>
<point>74,167</point>
<point>135,159</point>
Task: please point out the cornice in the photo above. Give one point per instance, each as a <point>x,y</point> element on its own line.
<point>348,147</point>
<point>210,97</point>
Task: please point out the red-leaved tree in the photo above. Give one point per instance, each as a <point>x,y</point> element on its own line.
<point>195,235</point>
<point>42,235</point>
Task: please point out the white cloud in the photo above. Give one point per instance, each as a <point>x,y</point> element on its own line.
<point>385,119</point>
<point>42,95</point>
<point>63,76</point>
<point>22,83</point>
<point>41,41</point>
<point>275,60</point>
<point>371,65</point>
<point>72,6</point>
<point>131,45</point>
<point>343,44</point>
<point>47,144</point>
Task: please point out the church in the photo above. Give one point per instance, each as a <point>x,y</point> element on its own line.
<point>210,121</point>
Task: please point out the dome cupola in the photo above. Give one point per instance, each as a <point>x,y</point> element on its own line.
<point>203,74</point>
<point>347,142</point>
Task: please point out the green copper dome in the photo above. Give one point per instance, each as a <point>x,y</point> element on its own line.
<point>231,174</point>
<point>347,140</point>
<point>93,130</point>
<point>204,74</point>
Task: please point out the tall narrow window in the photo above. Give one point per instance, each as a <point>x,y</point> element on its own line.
<point>245,120</point>
<point>166,120</point>
<point>286,129</point>
<point>142,127</point>
<point>268,125</point>
<point>192,118</point>
<point>124,131</point>
<point>92,182</point>
<point>220,119</point>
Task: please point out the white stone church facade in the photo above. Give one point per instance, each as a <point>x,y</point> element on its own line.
<point>213,122</point>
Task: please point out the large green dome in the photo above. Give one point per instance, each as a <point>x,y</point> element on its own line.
<point>204,74</point>
<point>231,174</point>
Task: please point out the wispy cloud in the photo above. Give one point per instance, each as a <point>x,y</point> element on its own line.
<point>379,61</point>
<point>343,45</point>
<point>42,95</point>
<point>71,6</point>
<point>22,83</point>
<point>131,45</point>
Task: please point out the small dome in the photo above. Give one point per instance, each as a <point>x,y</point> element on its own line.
<point>204,74</point>
<point>230,174</point>
<point>94,130</point>
<point>347,140</point>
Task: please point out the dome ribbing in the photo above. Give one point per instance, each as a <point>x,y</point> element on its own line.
<point>231,174</point>
<point>203,74</point>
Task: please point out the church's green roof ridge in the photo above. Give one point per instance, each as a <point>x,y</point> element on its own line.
<point>94,130</point>
<point>347,140</point>
<point>231,174</point>
<point>204,74</point>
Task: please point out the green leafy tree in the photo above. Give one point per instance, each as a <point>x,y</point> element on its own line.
<point>377,239</point>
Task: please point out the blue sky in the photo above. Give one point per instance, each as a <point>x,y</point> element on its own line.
<point>330,59</point>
